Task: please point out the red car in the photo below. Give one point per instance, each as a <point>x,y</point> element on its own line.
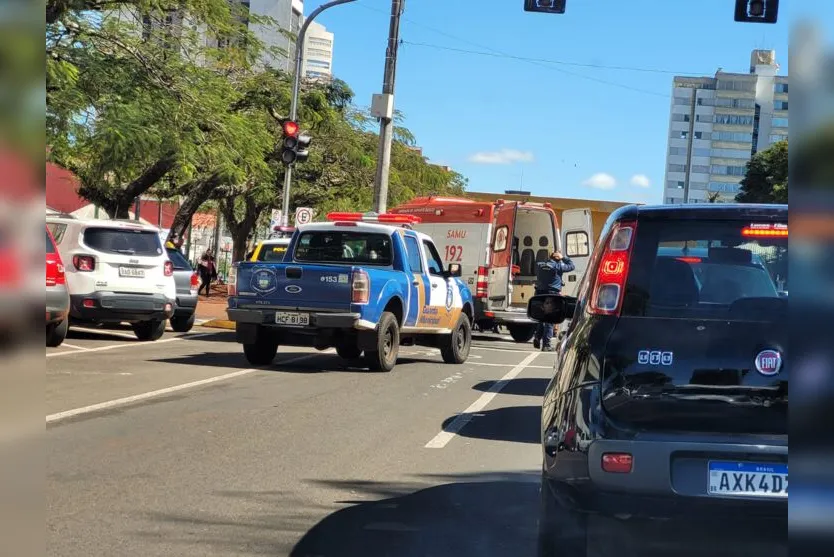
<point>57,295</point>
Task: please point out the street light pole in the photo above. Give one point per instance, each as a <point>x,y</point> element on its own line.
<point>296,88</point>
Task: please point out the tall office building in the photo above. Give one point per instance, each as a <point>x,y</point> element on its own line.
<point>279,37</point>
<point>318,53</point>
<point>717,124</point>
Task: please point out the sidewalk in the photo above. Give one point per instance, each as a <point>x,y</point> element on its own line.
<point>212,310</point>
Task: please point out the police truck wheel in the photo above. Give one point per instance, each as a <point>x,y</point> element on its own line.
<point>348,351</point>
<point>388,344</point>
<point>261,352</point>
<point>456,349</point>
<point>522,333</point>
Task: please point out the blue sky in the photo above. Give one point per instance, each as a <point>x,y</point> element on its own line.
<point>508,123</point>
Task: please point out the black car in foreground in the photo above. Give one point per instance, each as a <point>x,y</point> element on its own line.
<point>665,424</point>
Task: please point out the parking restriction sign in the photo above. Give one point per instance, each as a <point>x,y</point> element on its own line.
<point>303,215</point>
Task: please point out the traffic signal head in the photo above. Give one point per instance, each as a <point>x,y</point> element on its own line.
<point>294,144</point>
<point>302,147</point>
<point>545,6</point>
<point>290,128</point>
<point>757,11</point>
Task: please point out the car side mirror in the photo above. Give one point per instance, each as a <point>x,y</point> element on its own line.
<point>454,270</point>
<point>551,308</point>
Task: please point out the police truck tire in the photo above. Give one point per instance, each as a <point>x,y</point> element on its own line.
<point>260,352</point>
<point>384,358</point>
<point>522,333</point>
<point>456,348</point>
<point>149,330</point>
<point>348,351</point>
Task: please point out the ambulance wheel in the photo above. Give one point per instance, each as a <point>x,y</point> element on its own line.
<point>384,358</point>
<point>522,333</point>
<point>456,349</point>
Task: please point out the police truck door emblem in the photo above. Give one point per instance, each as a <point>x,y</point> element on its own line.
<point>768,362</point>
<point>293,289</point>
<point>264,281</point>
<point>449,297</point>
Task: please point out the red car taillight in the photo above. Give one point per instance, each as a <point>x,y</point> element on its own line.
<point>54,271</point>
<point>612,272</point>
<point>481,285</point>
<point>169,269</point>
<point>84,263</point>
<point>360,289</point>
<point>195,282</point>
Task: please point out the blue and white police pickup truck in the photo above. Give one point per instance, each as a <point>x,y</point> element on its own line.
<point>362,283</point>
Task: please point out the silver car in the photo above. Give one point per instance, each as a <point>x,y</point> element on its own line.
<point>187,284</point>
<point>57,295</point>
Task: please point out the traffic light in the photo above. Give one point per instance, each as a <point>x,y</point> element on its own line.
<point>545,6</point>
<point>757,11</point>
<point>295,144</point>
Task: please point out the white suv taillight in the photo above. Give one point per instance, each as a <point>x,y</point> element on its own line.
<point>231,285</point>
<point>169,269</point>
<point>360,288</point>
<point>612,271</point>
<point>84,263</point>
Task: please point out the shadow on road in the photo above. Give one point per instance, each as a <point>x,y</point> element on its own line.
<point>523,387</point>
<point>517,424</point>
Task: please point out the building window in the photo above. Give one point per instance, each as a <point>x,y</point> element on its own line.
<point>726,170</point>
<point>700,152</point>
<point>677,168</point>
<point>319,64</point>
<point>701,135</point>
<point>677,151</point>
<point>700,168</point>
<point>777,137</point>
<point>738,137</point>
<point>779,122</point>
<point>697,186</point>
<point>577,244</point>
<point>733,119</point>
<point>780,105</point>
<point>724,187</point>
<point>736,85</point>
<point>730,154</point>
<point>781,87</point>
<point>681,100</point>
<point>684,134</point>
<point>675,184</point>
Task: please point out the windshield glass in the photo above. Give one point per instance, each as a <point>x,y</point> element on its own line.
<point>690,269</point>
<point>125,242</point>
<point>179,260</point>
<point>344,247</point>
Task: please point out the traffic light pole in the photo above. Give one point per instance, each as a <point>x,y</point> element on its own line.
<point>386,125</point>
<point>296,89</point>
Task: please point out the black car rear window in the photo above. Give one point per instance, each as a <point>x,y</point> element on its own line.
<point>123,241</point>
<point>707,269</point>
<point>337,246</point>
<point>179,260</point>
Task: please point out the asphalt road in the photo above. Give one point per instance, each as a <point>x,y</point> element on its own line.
<point>149,453</point>
<point>178,447</point>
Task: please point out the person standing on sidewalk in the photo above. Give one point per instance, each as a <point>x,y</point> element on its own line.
<point>208,272</point>
<point>549,281</point>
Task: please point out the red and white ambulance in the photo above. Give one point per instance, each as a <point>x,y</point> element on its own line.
<point>498,245</point>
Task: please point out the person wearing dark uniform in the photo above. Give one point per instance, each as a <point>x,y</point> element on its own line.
<point>549,281</point>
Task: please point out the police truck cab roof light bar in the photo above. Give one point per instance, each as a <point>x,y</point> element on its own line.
<point>384,218</point>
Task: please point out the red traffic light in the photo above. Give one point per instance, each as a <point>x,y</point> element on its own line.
<point>290,128</point>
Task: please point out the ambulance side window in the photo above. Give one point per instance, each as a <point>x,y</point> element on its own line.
<point>435,263</point>
<point>415,262</point>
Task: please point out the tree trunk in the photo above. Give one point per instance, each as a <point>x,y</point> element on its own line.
<point>198,192</point>
<point>240,229</point>
<point>118,202</point>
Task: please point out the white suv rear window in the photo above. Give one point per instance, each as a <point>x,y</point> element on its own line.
<point>124,242</point>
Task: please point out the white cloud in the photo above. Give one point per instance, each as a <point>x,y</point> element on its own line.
<point>601,181</point>
<point>504,156</point>
<point>640,181</point>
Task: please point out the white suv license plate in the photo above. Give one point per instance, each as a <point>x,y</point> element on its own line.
<point>131,272</point>
<point>748,479</point>
<point>289,318</point>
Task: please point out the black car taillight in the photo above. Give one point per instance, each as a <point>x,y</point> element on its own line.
<point>612,272</point>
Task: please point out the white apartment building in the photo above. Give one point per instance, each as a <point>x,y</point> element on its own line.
<point>318,53</point>
<point>717,124</point>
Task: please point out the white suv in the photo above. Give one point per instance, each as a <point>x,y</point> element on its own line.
<point>116,271</point>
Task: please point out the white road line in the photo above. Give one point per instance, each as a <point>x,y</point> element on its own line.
<point>111,332</point>
<point>442,439</point>
<point>126,344</point>
<point>52,418</point>
<point>504,349</point>
<point>504,365</point>
<point>68,345</point>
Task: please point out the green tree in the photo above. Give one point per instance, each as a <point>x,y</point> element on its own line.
<point>766,178</point>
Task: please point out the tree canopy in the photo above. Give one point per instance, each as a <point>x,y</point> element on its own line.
<point>167,97</point>
<point>766,177</point>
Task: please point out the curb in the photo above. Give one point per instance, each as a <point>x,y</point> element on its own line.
<point>219,324</point>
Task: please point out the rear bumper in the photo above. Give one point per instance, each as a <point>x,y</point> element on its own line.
<point>318,320</point>
<point>513,318</point>
<point>112,307</point>
<point>668,479</point>
<point>57,304</point>
<point>186,304</point>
